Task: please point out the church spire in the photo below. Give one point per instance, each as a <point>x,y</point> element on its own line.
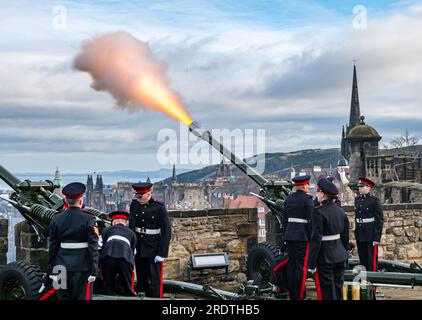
<point>174,178</point>
<point>89,184</point>
<point>354,107</point>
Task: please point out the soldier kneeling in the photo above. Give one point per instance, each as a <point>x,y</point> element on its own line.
<point>117,255</point>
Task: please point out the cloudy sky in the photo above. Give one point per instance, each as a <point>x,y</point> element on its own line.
<point>282,66</point>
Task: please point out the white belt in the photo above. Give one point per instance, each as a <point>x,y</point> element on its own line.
<point>366,220</point>
<point>330,238</point>
<point>119,238</point>
<point>297,220</point>
<point>148,231</point>
<point>74,245</point>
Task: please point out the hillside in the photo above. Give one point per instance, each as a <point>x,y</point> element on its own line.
<point>275,164</point>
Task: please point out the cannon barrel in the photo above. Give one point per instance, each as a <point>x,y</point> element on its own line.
<point>389,278</point>
<point>37,202</point>
<point>206,135</point>
<point>9,178</point>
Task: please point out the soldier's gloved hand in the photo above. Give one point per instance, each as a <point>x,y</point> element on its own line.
<point>54,278</point>
<point>312,270</point>
<point>91,279</point>
<point>158,259</point>
<point>42,288</point>
<point>374,243</point>
<point>100,243</point>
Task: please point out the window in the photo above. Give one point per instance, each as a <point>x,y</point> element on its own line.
<point>262,232</point>
<point>262,222</point>
<point>260,209</point>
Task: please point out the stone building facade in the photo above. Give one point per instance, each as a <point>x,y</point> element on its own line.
<point>181,196</point>
<point>94,195</point>
<point>386,168</point>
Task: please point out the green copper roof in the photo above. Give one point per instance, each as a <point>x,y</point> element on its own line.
<point>363,131</point>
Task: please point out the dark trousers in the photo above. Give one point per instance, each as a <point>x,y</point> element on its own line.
<point>297,268</point>
<point>118,276</point>
<point>368,255</point>
<point>78,287</point>
<point>329,280</point>
<point>149,276</point>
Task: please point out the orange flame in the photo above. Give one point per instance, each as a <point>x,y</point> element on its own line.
<point>126,68</point>
<point>160,98</point>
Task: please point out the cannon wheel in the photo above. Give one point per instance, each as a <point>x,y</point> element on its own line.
<point>20,281</point>
<point>261,261</point>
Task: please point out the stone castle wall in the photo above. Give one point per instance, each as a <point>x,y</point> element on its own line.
<point>28,248</point>
<point>402,234</point>
<point>233,231</point>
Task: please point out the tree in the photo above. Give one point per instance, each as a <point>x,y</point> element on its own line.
<point>404,140</point>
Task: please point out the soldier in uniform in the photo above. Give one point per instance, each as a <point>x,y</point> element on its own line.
<point>369,220</point>
<point>118,245</point>
<point>73,243</point>
<point>329,243</point>
<point>297,233</point>
<point>151,223</point>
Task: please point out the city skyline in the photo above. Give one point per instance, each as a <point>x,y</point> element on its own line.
<point>285,67</point>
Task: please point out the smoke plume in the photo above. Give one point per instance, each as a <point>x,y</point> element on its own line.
<point>126,68</point>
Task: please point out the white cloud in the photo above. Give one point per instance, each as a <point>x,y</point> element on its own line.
<point>295,82</point>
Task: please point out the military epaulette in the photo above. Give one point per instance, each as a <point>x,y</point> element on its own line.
<point>87,212</point>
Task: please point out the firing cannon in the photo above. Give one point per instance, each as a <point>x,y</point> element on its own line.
<point>265,256</point>
<point>37,202</point>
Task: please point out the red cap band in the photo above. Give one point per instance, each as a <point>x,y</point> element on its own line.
<point>76,196</point>
<point>366,183</point>
<point>142,191</point>
<point>119,216</point>
<point>301,183</point>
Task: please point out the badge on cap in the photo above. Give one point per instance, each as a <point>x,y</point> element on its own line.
<point>74,190</point>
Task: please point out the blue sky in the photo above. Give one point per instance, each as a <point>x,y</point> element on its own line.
<point>285,66</point>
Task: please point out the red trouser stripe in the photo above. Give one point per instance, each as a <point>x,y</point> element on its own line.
<point>49,293</point>
<point>161,279</point>
<point>88,291</point>
<point>132,284</point>
<point>374,259</point>
<point>305,272</point>
<point>281,264</point>
<point>318,286</point>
